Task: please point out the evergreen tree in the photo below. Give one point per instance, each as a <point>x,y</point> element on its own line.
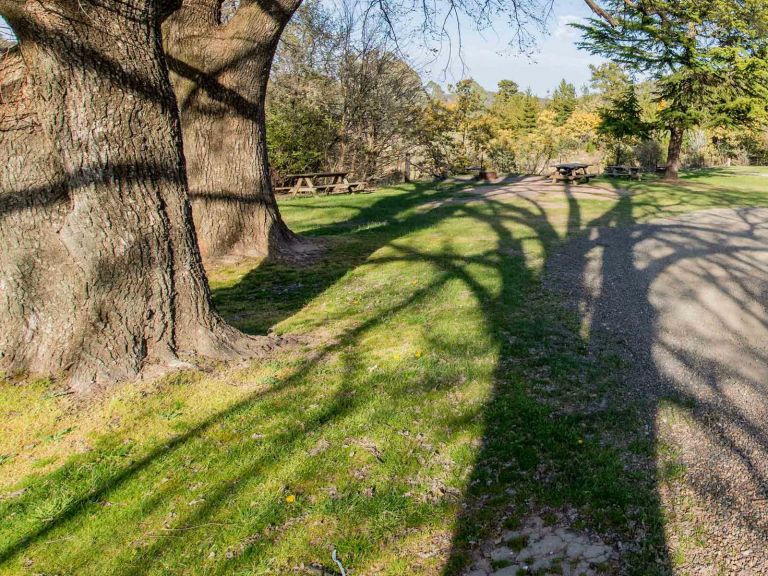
<point>507,105</point>
<point>507,90</point>
<point>708,58</point>
<point>609,80</point>
<point>622,121</point>
<point>564,101</point>
<point>530,113</point>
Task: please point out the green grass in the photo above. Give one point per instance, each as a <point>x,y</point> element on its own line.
<point>436,399</point>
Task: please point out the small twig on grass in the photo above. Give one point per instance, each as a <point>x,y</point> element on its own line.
<point>198,526</point>
<point>338,563</point>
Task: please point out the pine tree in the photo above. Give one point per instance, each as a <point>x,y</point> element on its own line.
<point>704,57</point>
<point>507,90</point>
<point>622,121</point>
<point>564,101</point>
<point>609,80</point>
<point>530,115</point>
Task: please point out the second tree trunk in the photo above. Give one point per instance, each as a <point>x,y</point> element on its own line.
<point>676,135</point>
<point>219,73</point>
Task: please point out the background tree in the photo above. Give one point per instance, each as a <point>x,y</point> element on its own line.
<point>622,121</point>
<point>564,101</point>
<point>382,96</point>
<point>507,105</point>
<point>506,111</point>
<point>468,104</point>
<point>704,56</point>
<point>302,105</point>
<point>609,80</point>
<point>341,68</point>
<point>434,134</point>
<point>508,89</point>
<point>100,274</point>
<point>435,91</point>
<point>529,117</point>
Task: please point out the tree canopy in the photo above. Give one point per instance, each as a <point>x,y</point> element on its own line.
<point>708,58</point>
<point>622,120</point>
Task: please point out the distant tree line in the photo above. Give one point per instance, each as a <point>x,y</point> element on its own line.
<point>342,96</point>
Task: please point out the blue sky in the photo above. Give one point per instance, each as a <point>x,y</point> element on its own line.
<point>5,31</point>
<point>488,57</point>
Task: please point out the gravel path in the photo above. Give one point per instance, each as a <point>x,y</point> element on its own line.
<point>686,298</point>
<point>537,188</point>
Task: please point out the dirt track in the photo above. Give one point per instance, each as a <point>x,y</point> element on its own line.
<point>686,300</point>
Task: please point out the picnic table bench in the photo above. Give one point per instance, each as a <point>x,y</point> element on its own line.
<point>314,182</point>
<point>616,171</point>
<point>571,172</point>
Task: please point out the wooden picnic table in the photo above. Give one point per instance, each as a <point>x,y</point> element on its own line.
<point>571,172</point>
<point>313,182</point>
<point>616,171</point>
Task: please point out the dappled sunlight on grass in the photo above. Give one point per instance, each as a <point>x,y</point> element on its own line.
<point>429,406</point>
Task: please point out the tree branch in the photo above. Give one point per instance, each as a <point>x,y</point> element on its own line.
<point>601,12</point>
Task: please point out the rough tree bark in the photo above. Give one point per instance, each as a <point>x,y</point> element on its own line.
<point>220,64</point>
<point>100,275</point>
<point>674,152</point>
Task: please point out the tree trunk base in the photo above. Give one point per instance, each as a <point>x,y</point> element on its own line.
<point>223,344</point>
<point>295,251</point>
<point>101,279</point>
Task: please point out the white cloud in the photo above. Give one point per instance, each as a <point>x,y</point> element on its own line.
<point>564,30</point>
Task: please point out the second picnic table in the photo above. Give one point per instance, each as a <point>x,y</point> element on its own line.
<point>619,171</point>
<point>313,182</point>
<point>571,172</point>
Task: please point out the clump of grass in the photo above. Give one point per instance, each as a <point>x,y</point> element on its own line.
<point>499,564</point>
<point>517,543</point>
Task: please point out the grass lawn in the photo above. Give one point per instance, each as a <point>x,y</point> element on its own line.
<point>437,397</point>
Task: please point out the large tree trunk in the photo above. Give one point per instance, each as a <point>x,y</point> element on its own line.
<point>676,134</point>
<point>219,73</point>
<point>100,275</point>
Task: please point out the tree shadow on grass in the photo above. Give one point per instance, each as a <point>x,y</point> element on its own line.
<point>546,423</point>
<point>533,334</point>
<point>88,487</point>
<point>271,292</point>
<point>551,429</point>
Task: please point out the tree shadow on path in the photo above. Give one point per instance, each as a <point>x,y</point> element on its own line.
<point>546,450</point>
<point>685,300</point>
